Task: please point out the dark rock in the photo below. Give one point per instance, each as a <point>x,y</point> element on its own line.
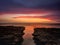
<point>46,36</point>
<point>11,35</point>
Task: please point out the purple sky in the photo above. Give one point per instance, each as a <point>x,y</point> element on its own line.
<point>31,6</point>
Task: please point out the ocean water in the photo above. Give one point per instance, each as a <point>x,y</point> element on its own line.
<point>28,38</point>
<point>29,30</point>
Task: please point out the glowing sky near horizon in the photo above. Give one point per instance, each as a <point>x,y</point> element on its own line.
<point>39,16</point>
<point>25,18</point>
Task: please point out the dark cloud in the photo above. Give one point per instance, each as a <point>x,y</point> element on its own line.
<point>45,4</point>
<point>55,16</point>
<point>32,3</point>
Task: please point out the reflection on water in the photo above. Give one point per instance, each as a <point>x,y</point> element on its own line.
<point>28,36</point>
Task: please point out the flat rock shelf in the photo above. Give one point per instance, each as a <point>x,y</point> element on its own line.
<point>11,35</point>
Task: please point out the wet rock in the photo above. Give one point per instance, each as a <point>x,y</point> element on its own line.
<point>46,36</point>
<point>11,35</point>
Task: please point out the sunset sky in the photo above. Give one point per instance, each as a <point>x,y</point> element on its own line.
<point>29,11</point>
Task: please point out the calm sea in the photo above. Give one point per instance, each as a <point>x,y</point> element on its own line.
<point>29,29</point>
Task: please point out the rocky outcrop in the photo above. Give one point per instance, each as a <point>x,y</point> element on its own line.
<point>46,36</point>
<point>11,35</point>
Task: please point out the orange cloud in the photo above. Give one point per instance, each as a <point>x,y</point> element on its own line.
<point>32,20</point>
<point>28,17</point>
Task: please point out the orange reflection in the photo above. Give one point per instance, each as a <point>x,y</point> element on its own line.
<point>28,32</point>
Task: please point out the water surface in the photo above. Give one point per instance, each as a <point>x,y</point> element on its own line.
<point>29,29</point>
